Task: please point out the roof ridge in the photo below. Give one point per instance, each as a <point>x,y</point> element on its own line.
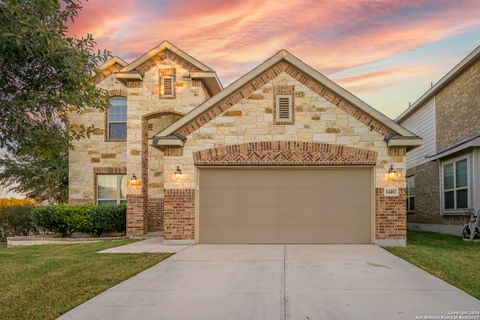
<point>270,62</point>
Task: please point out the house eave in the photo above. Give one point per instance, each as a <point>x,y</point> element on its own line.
<point>462,65</point>
<point>408,142</point>
<point>210,80</point>
<point>285,55</point>
<point>159,48</point>
<point>462,146</point>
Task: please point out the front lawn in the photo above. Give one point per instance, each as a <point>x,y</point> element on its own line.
<point>43,282</point>
<point>447,257</point>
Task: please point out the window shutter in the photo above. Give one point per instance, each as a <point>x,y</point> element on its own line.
<point>284,108</point>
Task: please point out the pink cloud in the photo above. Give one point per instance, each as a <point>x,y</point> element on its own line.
<point>101,18</point>
<point>234,36</point>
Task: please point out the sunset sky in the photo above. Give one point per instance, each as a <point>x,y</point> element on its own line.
<point>385,52</point>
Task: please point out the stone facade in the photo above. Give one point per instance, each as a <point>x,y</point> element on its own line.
<point>148,113</point>
<point>457,108</point>
<point>333,131</point>
<point>326,129</point>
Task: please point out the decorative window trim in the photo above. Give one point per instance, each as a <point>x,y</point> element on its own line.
<point>107,122</point>
<point>170,95</point>
<point>409,196</point>
<point>118,199</point>
<point>455,211</point>
<point>279,92</point>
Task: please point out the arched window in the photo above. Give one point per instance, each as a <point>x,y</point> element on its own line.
<point>117,119</point>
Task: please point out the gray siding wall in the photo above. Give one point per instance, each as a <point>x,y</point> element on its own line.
<point>422,123</point>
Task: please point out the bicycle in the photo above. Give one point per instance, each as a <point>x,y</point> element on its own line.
<point>471,231</point>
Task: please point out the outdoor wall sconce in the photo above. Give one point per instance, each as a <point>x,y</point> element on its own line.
<point>134,181</point>
<point>392,174</point>
<point>178,174</point>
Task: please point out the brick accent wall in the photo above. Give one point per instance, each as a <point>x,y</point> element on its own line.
<point>285,153</point>
<point>390,216</point>
<point>457,108</point>
<point>81,201</point>
<point>166,54</point>
<point>427,197</point>
<point>155,214</point>
<point>117,93</point>
<point>137,215</point>
<point>179,214</point>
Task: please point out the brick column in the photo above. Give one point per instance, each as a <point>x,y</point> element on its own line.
<point>179,214</point>
<point>136,215</point>
<point>390,218</point>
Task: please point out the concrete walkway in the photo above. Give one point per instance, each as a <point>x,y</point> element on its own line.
<point>150,245</point>
<point>278,282</point>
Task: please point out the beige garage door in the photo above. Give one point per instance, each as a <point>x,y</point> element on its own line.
<point>285,205</point>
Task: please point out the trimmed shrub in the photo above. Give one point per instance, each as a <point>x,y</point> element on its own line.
<point>16,221</point>
<point>109,218</point>
<point>64,220</point>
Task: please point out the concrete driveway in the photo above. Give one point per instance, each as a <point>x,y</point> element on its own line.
<point>278,282</point>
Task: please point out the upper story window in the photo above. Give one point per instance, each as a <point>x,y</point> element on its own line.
<point>111,189</point>
<point>167,86</point>
<point>411,194</point>
<point>455,184</point>
<point>283,108</point>
<point>117,119</point>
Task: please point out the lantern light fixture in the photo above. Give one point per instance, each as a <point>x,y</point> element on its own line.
<point>178,174</point>
<point>134,180</point>
<point>392,173</point>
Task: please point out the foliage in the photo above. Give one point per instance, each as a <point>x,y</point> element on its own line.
<point>16,221</point>
<point>445,256</point>
<point>43,282</point>
<point>9,202</point>
<point>64,220</point>
<point>108,218</point>
<point>44,72</point>
<point>38,177</point>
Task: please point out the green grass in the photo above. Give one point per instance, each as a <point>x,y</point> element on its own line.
<point>447,257</point>
<point>43,282</point>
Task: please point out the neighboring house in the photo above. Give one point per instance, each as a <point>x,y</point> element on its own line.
<point>282,155</point>
<point>444,173</point>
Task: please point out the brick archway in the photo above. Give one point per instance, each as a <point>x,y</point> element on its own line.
<point>145,119</point>
<point>153,207</point>
<point>284,153</point>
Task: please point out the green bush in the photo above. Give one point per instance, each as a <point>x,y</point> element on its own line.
<point>109,218</point>
<point>64,220</point>
<point>16,221</point>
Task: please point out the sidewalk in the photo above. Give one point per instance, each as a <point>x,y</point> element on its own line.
<point>149,245</point>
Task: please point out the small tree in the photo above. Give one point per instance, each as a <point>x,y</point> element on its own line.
<point>43,73</point>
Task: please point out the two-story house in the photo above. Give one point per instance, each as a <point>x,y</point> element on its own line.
<point>443,175</point>
<point>281,155</point>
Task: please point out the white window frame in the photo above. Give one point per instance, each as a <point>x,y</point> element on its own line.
<point>118,199</point>
<point>108,120</point>
<point>277,108</point>
<point>455,210</point>
<point>408,195</point>
<point>162,85</point>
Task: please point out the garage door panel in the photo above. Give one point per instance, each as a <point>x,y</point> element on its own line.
<point>285,205</point>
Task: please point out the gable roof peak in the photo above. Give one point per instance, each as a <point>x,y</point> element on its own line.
<point>161,47</point>
<point>112,61</point>
<point>315,75</point>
